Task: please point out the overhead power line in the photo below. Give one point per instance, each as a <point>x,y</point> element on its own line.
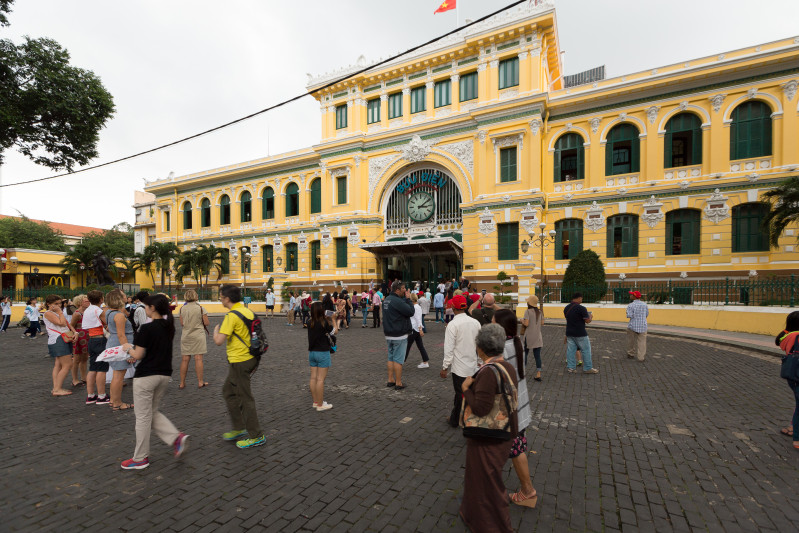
<point>265,110</point>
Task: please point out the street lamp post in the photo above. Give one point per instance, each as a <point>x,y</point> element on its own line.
<point>542,240</point>
<point>246,260</point>
<point>82,274</point>
<point>169,280</point>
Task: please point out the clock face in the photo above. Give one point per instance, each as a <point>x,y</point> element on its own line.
<point>421,206</point>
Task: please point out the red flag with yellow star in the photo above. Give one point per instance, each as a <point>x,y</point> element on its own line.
<point>445,6</point>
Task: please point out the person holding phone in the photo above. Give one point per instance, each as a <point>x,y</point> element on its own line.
<point>483,309</point>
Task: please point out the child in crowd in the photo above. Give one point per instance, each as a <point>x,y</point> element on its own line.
<point>94,323</point>
<point>32,314</point>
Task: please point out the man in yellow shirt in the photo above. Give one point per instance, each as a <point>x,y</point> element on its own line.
<point>236,390</point>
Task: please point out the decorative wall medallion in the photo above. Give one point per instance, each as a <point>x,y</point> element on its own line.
<point>790,89</point>
<point>302,242</point>
<point>353,235</point>
<point>568,196</point>
<point>683,105</point>
<point>653,213</point>
<point>622,116</point>
<point>462,151</point>
<point>535,126</point>
<point>326,237</point>
<point>716,209</point>
<point>716,101</point>
<point>622,190</point>
<point>487,224</point>
<point>508,140</point>
<point>358,159</point>
<point>254,249</point>
<point>482,135</point>
<point>751,93</point>
<point>506,198</point>
<point>684,184</point>
<point>529,219</point>
<point>594,217</point>
<point>652,113</point>
<point>416,150</point>
<point>594,122</point>
<point>752,177</point>
<point>277,244</point>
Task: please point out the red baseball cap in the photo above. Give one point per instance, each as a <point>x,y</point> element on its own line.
<point>459,302</point>
<point>637,294</point>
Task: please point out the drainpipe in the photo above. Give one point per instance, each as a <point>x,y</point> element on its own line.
<point>175,209</point>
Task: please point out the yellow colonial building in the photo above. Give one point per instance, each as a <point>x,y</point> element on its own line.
<point>443,161</point>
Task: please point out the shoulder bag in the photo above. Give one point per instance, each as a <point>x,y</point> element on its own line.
<point>497,423</point>
<point>790,364</point>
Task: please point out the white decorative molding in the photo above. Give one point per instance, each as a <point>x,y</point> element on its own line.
<point>340,171</point>
<point>716,209</point>
<point>789,89</point>
<point>482,135</point>
<point>751,93</point>
<point>652,113</point>
<point>277,244</point>
<point>353,235</point>
<point>302,242</point>
<point>653,212</point>
<point>594,122</point>
<point>377,167</point>
<point>358,158</point>
<point>416,150</point>
<point>482,66</point>
<point>487,224</point>
<point>716,101</point>
<point>535,126</point>
<point>683,105</point>
<point>529,219</point>
<point>462,151</point>
<point>594,217</point>
<point>752,177</point>
<point>406,91</point>
<point>507,94</point>
<point>325,237</point>
<point>684,184</point>
<point>383,98</point>
<point>508,140</point>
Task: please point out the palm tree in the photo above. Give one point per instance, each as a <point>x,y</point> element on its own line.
<point>186,265</point>
<point>145,262</point>
<point>71,263</point>
<point>784,210</point>
<point>210,258</point>
<point>162,254</point>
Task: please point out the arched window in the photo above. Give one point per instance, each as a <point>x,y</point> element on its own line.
<point>205,213</point>
<point>748,234</point>
<point>268,204</point>
<point>269,258</point>
<point>683,142</point>
<point>316,196</point>
<point>292,201</point>
<point>224,210</point>
<point>622,151</point>
<point>246,207</point>
<point>187,215</point>
<point>683,230</point>
<point>568,238</point>
<point>750,132</point>
<point>569,158</point>
<point>291,257</point>
<point>623,236</point>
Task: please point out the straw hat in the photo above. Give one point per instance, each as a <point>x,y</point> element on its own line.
<point>532,301</point>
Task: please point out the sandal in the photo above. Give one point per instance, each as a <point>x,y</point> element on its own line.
<point>537,376</point>
<point>78,384</point>
<point>391,384</point>
<point>62,393</point>
<point>788,432</point>
<point>526,501</point>
<point>122,407</point>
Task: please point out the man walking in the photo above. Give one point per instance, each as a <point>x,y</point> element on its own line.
<point>577,317</point>
<point>460,352</point>
<point>270,303</point>
<point>637,312</point>
<point>438,303</point>
<point>397,313</point>
<point>292,308</point>
<point>424,303</point>
<point>237,391</point>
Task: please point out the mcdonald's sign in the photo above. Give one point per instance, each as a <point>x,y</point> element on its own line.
<point>56,281</point>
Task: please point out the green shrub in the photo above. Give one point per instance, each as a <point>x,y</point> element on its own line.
<point>585,274</point>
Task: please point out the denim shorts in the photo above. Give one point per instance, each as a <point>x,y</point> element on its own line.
<point>119,365</point>
<point>396,350</point>
<point>96,347</point>
<point>319,359</point>
<point>59,348</point>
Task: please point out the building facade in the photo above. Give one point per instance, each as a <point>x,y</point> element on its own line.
<point>444,161</point>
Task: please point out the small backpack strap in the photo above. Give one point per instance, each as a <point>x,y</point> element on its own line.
<point>244,320</point>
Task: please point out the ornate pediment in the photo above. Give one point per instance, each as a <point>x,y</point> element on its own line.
<point>416,150</point>
<point>595,218</point>
<point>653,212</point>
<point>487,225</point>
<point>326,237</point>
<point>716,209</point>
<point>529,219</point>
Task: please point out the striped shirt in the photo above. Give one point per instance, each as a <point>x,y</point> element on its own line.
<point>637,312</point>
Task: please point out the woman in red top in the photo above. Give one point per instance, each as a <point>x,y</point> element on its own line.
<point>788,341</point>
<point>80,346</point>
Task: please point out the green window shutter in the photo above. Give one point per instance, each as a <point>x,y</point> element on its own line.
<point>581,160</point>
<point>670,233</point>
<point>268,204</point>
<point>508,242</point>
<point>559,231</point>
<point>225,262</point>
<point>609,157</point>
<point>246,207</point>
<point>373,111</point>
<point>507,164</point>
<point>667,150</point>
<point>341,253</point>
<point>557,173</point>
<point>268,258</point>
<point>635,155</point>
<point>316,196</point>
<point>291,257</point>
<point>187,216</point>
<point>395,105</point>
<point>341,116</point>
<point>442,93</point>
<point>468,87</point>
<point>577,236</point>
<point>748,234</point>
<point>292,200</point>
<point>509,73</point>
<point>341,183</point>
<point>168,221</point>
<point>696,146</point>
<point>418,99</point>
<point>224,210</point>
<point>316,257</point>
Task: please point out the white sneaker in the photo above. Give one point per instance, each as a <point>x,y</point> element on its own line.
<point>324,407</point>
<point>423,365</point>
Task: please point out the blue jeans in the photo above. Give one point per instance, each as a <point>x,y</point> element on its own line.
<point>424,328</point>
<point>536,355</point>
<point>439,313</point>
<point>6,322</point>
<point>794,385</point>
<point>584,345</point>
<point>397,350</point>
<point>365,314</point>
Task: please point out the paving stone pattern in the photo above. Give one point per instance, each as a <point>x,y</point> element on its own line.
<point>687,441</point>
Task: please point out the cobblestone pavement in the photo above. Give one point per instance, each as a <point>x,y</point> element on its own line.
<point>687,441</point>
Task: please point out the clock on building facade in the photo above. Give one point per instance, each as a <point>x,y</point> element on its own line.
<point>421,206</point>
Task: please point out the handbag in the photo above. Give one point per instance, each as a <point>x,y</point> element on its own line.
<point>68,335</point>
<point>24,323</point>
<point>497,423</point>
<point>790,364</point>
<point>332,340</point>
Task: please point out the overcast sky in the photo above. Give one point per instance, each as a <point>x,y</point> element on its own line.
<point>178,67</point>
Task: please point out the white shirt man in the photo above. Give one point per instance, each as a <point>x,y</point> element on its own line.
<point>270,303</point>
<point>460,352</point>
<point>293,301</point>
<point>424,303</point>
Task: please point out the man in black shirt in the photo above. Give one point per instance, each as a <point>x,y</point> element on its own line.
<point>577,317</point>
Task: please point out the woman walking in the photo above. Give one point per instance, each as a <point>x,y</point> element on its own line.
<point>32,314</point>
<point>417,332</point>
<point>364,305</point>
<point>485,501</point>
<point>533,340</point>
<point>58,347</point>
<point>120,332</point>
<point>195,322</point>
<point>319,355</point>
<point>514,355</point>
<point>341,311</point>
<point>377,301</point>
<point>788,341</point>
<point>5,305</point>
<point>80,344</point>
<point>152,347</point>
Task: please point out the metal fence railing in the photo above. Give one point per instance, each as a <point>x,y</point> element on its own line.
<point>782,292</point>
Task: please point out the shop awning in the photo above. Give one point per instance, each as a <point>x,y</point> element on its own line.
<point>415,247</point>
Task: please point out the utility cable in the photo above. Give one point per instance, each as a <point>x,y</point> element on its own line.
<point>270,108</point>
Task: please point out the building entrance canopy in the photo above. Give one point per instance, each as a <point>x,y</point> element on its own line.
<point>415,247</point>
<point>425,261</point>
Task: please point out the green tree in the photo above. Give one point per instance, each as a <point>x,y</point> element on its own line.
<point>26,233</point>
<point>503,288</point>
<point>585,274</point>
<point>187,265</point>
<point>51,111</point>
<point>784,211</point>
<point>162,254</point>
<point>209,259</point>
<point>114,243</point>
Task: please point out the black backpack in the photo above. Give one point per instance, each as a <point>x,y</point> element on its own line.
<point>131,312</point>
<point>258,344</point>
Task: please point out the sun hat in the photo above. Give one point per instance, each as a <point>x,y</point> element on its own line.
<point>532,301</point>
